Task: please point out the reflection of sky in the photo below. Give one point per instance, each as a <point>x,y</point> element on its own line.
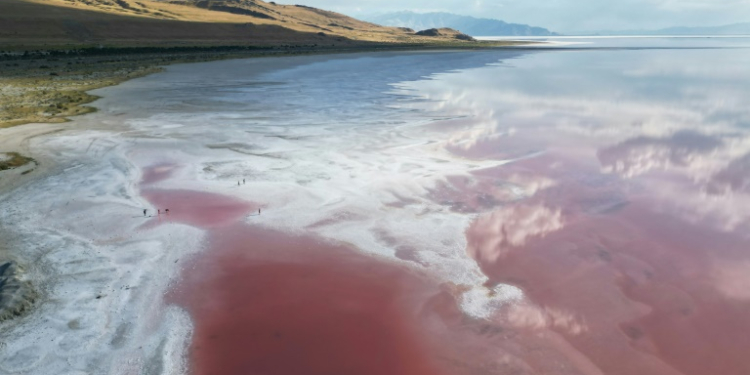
<point>665,125</point>
<point>583,159</point>
<point>633,42</point>
<point>673,118</point>
<point>643,85</point>
<point>341,90</point>
<point>639,237</point>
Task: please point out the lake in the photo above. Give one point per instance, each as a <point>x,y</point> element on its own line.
<point>581,207</point>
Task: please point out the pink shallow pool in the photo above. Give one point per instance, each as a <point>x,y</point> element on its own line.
<point>269,303</point>
<point>266,302</point>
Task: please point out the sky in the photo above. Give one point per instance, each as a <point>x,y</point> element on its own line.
<point>563,15</point>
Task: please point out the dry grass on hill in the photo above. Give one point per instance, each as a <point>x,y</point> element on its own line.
<point>57,23</point>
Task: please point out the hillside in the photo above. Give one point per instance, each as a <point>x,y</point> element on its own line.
<point>50,23</point>
<point>469,25</point>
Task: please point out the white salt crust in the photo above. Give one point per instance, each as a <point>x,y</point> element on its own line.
<point>101,278</point>
<point>350,164</point>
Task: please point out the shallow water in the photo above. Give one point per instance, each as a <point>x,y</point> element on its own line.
<point>574,211</point>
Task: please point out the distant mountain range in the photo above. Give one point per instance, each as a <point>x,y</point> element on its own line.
<point>733,29</point>
<point>469,25</point>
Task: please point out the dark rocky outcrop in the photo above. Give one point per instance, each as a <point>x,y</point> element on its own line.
<point>465,37</point>
<point>10,160</point>
<point>16,294</point>
<point>233,7</point>
<point>445,32</point>
<point>429,32</point>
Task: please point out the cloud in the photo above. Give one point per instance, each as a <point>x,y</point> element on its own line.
<point>493,235</point>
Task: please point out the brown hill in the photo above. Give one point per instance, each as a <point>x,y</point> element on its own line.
<point>57,23</point>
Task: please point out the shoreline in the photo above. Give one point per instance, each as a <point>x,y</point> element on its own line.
<point>93,233</point>
<point>101,223</point>
<point>51,88</point>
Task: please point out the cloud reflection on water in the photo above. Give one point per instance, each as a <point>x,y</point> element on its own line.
<point>493,235</point>
<point>640,236</point>
<point>640,113</point>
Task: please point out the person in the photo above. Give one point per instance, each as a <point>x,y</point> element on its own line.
<point>238,183</point>
<point>243,181</point>
<point>144,212</point>
<point>158,212</point>
<point>166,211</point>
<point>259,211</point>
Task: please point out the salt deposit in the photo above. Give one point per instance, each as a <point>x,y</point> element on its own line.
<point>341,162</point>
